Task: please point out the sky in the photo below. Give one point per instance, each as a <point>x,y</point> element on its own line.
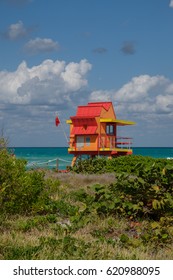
<point>58,54</point>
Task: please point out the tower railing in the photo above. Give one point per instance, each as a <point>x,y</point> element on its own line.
<point>112,142</point>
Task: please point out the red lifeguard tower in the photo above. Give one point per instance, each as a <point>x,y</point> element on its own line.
<point>93,131</point>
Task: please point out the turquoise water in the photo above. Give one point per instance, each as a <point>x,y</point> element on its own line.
<point>47,157</point>
<point>154,152</point>
<point>44,157</point>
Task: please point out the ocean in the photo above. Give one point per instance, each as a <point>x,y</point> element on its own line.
<point>47,157</point>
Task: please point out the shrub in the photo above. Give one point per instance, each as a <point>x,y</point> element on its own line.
<point>150,194</point>
<point>127,164</point>
<point>143,186</point>
<point>22,191</point>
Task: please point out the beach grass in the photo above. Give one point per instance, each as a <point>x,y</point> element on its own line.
<point>67,236</point>
<point>96,240</point>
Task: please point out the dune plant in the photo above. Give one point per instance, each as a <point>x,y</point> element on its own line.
<point>22,191</point>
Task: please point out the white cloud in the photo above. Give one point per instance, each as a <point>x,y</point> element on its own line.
<point>73,75</point>
<point>16,31</point>
<point>164,104</point>
<point>39,45</point>
<point>171,4</point>
<point>101,95</point>
<point>29,98</point>
<point>144,97</point>
<point>147,100</point>
<point>48,83</point>
<point>138,88</point>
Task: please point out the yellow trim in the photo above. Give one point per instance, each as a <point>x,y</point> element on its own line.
<point>119,122</point>
<point>68,121</point>
<point>106,150</point>
<point>71,149</point>
<point>115,150</point>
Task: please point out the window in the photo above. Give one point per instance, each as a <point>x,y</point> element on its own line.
<point>87,141</point>
<point>80,141</point>
<point>110,129</point>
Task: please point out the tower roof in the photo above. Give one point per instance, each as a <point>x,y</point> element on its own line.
<point>92,109</point>
<point>105,105</point>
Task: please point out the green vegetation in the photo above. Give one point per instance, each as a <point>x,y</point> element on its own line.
<point>128,164</point>
<point>124,213</point>
<point>22,192</point>
<point>143,186</point>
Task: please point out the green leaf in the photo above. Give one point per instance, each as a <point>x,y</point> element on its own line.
<point>156,204</point>
<point>124,238</point>
<point>156,188</point>
<point>165,236</point>
<point>155,225</point>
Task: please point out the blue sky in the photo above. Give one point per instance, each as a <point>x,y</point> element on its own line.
<point>58,54</point>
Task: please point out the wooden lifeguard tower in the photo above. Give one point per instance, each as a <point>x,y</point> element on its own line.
<point>93,131</point>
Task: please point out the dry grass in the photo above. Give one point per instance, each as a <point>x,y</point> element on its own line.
<point>63,237</point>
<point>77,180</point>
<point>100,239</point>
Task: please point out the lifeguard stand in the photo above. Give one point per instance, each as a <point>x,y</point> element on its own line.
<point>93,131</point>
